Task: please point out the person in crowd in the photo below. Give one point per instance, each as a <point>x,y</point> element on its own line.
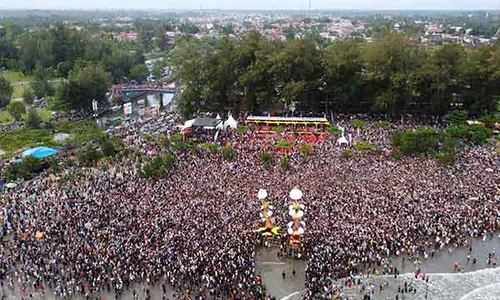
<point>104,229</point>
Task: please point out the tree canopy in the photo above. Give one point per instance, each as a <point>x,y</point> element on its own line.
<point>6,91</point>
<point>16,109</point>
<point>84,85</point>
<point>393,75</point>
<point>139,73</point>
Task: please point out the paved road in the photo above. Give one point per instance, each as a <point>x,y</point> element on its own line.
<point>21,83</point>
<point>270,268</point>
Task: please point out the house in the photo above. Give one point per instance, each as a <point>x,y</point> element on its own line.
<point>128,36</point>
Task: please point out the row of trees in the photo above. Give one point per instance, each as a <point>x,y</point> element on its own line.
<point>393,75</point>
<point>60,48</point>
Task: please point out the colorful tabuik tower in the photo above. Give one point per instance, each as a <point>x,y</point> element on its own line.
<point>296,227</point>
<point>266,216</point>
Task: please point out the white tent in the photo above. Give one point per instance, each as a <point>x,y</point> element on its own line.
<point>220,125</point>
<point>187,124</point>
<point>11,185</point>
<point>342,141</point>
<point>231,122</point>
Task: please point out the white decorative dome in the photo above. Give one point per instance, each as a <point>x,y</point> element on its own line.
<point>262,194</point>
<point>295,194</point>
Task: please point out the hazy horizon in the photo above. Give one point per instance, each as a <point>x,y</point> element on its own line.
<point>258,4</point>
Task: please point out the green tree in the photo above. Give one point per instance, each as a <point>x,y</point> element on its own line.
<point>188,59</point>
<point>29,166</point>
<point>229,29</point>
<point>334,130</point>
<point>158,166</point>
<point>83,86</point>
<point>342,64</point>
<point>9,54</point>
<point>457,117</point>
<point>480,77</point>
<point>108,148</point>
<point>158,68</point>
<point>363,146</point>
<point>6,91</point>
<point>160,38</point>
<point>189,28</point>
<point>358,123</point>
<point>228,152</point>
<point>346,153</point>
<point>285,162</point>
<point>28,96</point>
<point>16,109</point>
<point>40,85</point>
<point>139,73</point>
<point>118,64</point>
<point>267,159</point>
<point>438,80</point>
<point>33,119</point>
<point>389,66</point>
<point>306,149</point>
<point>88,155</point>
<point>55,166</point>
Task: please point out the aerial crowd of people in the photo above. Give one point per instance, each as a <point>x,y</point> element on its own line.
<point>104,229</point>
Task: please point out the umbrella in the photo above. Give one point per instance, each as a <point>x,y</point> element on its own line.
<point>11,185</point>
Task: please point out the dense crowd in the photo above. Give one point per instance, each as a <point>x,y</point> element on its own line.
<point>4,127</point>
<point>140,86</point>
<point>103,229</point>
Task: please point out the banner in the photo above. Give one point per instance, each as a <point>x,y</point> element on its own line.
<point>152,100</point>
<point>141,111</point>
<point>167,98</point>
<point>127,108</point>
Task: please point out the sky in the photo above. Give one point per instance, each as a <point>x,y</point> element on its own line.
<point>254,4</point>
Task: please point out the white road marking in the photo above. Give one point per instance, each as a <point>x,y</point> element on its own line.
<point>291,295</point>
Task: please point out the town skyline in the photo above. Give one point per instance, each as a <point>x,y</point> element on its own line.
<point>260,5</point>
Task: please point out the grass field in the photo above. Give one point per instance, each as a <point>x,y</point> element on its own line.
<point>45,114</point>
<point>18,91</point>
<point>15,76</point>
<point>14,140</point>
<point>5,117</point>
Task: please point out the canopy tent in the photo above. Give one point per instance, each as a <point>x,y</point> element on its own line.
<point>231,122</point>
<point>187,124</point>
<point>206,123</point>
<point>40,152</point>
<point>342,141</point>
<point>11,185</point>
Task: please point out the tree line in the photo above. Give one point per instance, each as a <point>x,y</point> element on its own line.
<point>89,64</point>
<point>60,48</point>
<point>394,74</point>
